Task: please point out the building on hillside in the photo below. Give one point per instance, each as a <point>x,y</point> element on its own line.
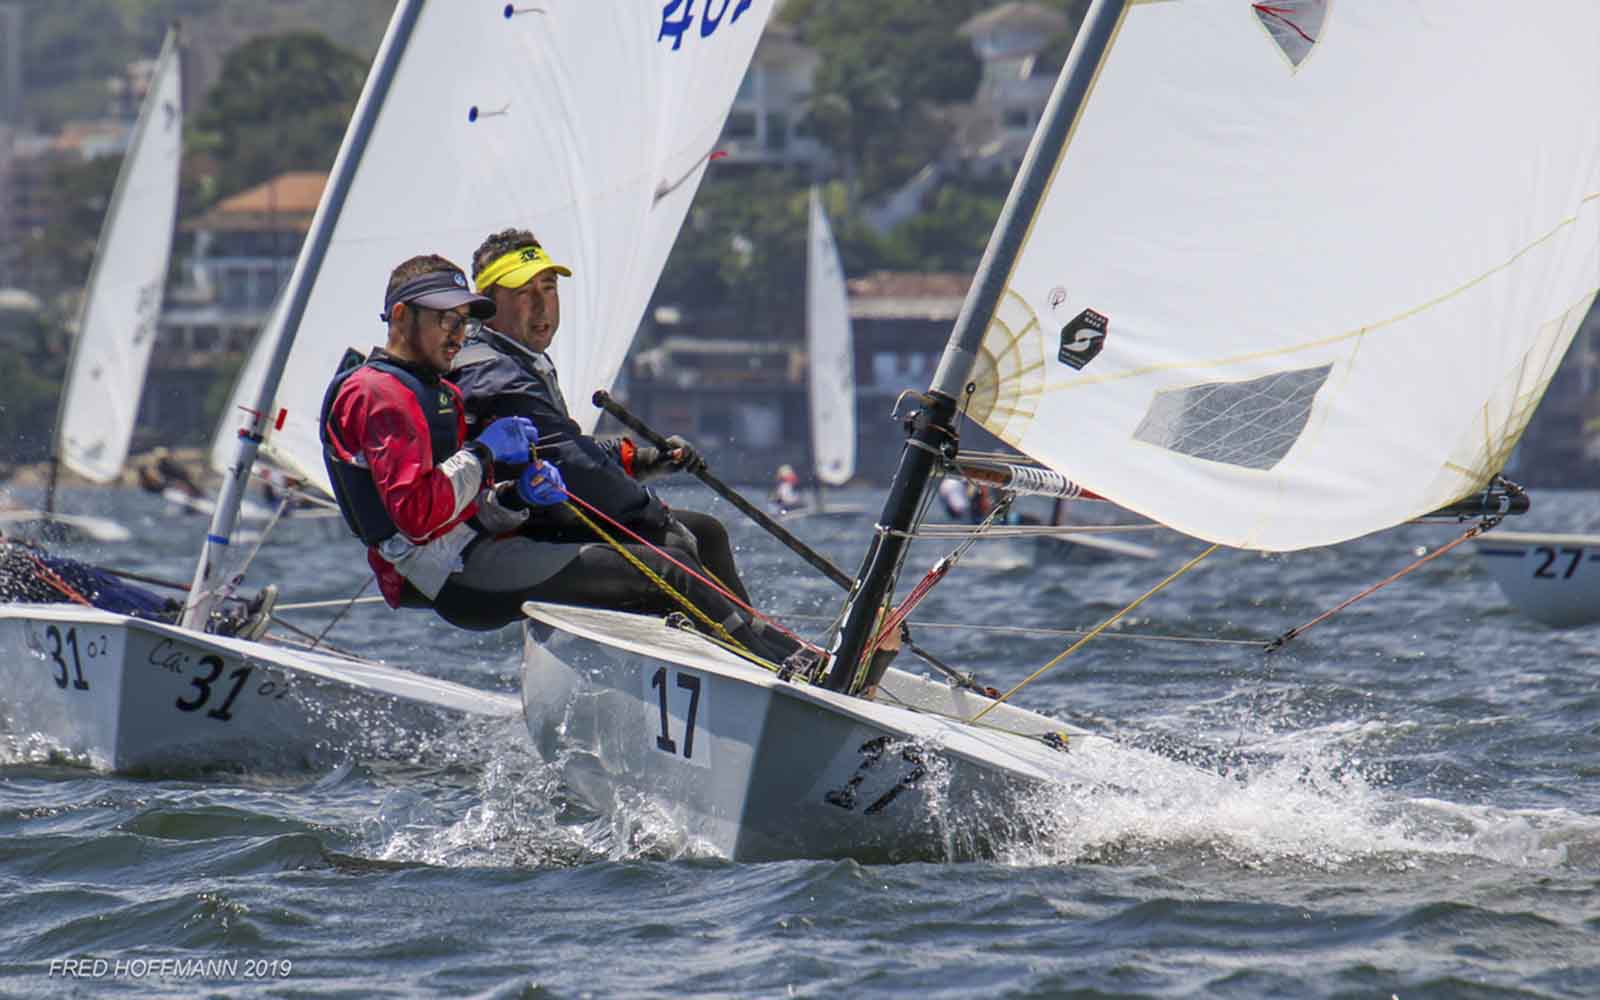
<point>745,401</point>
<point>28,200</point>
<point>993,133</point>
<point>766,126</point>
<point>243,251</point>
<point>740,400</point>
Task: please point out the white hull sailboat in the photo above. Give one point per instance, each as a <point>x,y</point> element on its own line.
<point>1142,323</point>
<point>122,303</point>
<point>120,694</point>
<point>614,209</point>
<point>755,768</point>
<point>1551,578</point>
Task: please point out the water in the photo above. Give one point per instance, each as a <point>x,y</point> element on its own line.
<point>1412,810</point>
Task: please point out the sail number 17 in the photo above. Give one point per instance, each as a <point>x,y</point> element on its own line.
<point>679,699</point>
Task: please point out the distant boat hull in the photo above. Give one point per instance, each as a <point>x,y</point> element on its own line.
<point>652,720</point>
<point>1551,578</point>
<point>121,694</point>
<point>832,511</point>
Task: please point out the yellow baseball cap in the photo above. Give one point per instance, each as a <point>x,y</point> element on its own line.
<point>517,268</point>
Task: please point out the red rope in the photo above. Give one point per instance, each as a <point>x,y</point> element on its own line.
<point>50,576</point>
<point>708,581</point>
<point>900,614</point>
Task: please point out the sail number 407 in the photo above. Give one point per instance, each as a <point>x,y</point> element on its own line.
<point>679,700</point>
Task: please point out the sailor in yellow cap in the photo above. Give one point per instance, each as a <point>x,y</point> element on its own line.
<point>504,370</point>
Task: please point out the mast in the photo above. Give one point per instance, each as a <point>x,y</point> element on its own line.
<point>169,51</point>
<point>932,439</point>
<point>205,591</point>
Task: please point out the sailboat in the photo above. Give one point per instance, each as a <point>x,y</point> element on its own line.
<point>1551,577</point>
<point>121,305</point>
<point>830,368</point>
<point>1273,275</point>
<point>530,132</point>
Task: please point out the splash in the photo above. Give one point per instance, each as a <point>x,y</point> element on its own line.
<point>1307,800</point>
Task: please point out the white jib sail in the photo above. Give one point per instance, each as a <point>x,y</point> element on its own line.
<point>122,301</point>
<point>589,124</point>
<point>1304,269</point>
<point>830,355</point>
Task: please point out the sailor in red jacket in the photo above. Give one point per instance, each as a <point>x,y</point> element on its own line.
<point>409,486</point>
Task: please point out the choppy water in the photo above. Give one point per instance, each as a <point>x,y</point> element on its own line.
<point>1413,811</point>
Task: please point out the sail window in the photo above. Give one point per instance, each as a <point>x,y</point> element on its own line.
<point>1294,24</point>
<point>1249,424</point>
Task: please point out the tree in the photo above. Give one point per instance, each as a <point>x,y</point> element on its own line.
<point>882,65</point>
<point>281,103</point>
<point>57,258</point>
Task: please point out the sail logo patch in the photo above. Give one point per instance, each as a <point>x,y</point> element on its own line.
<point>1294,24</point>
<point>1082,339</point>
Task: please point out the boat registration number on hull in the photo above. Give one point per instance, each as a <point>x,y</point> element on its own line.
<point>77,658</point>
<point>676,702</point>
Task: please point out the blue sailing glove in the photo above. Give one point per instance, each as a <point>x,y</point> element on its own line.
<point>510,440</point>
<point>540,485</point>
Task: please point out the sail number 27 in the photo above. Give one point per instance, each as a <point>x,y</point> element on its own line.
<point>678,697</point>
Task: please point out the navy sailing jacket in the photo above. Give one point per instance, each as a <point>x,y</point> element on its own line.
<point>501,378</point>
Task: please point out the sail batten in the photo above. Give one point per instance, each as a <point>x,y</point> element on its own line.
<point>1277,279</point>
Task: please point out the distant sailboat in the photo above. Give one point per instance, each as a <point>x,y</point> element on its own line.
<point>830,368</point>
<point>1551,578</point>
<point>122,302</point>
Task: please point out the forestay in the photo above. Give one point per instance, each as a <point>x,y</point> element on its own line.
<point>590,124</point>
<point>1304,269</point>
<point>117,327</point>
<point>830,348</point>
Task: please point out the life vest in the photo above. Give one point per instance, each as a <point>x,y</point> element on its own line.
<point>353,486</point>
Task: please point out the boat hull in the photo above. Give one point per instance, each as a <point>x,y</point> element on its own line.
<point>125,695</point>
<point>1552,578</point>
<point>649,719</point>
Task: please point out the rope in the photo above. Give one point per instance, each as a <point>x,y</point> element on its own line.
<point>50,576</point>
<point>705,578</point>
<point>717,628</point>
<point>1470,533</point>
<point>336,602</point>
<point>1033,630</point>
<point>342,612</point>
<point>1186,567</point>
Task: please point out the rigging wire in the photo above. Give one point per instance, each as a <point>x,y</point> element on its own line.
<point>341,613</point>
<point>1051,632</point>
<point>1470,533</point>
<point>1186,567</point>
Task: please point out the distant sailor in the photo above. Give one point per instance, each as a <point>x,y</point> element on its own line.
<point>785,495</point>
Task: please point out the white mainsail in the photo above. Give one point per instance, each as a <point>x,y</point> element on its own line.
<point>117,327</point>
<point>590,124</point>
<point>830,351</point>
<point>1303,273</point>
